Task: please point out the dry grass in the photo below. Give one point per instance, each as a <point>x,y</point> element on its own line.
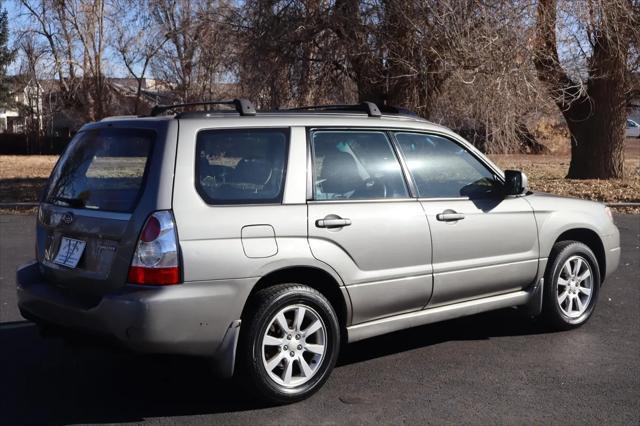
<point>547,173</point>
<point>26,166</point>
<point>22,177</point>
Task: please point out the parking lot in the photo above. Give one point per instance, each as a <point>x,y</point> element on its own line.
<point>491,368</point>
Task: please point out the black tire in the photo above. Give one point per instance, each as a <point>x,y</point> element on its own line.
<point>552,313</point>
<point>263,307</point>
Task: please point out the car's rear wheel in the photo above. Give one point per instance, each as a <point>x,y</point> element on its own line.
<point>572,285</point>
<point>292,342</point>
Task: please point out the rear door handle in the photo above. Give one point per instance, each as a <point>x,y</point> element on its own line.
<point>332,222</point>
<point>449,216</point>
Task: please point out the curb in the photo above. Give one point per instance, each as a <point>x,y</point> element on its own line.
<point>15,205</point>
<point>623,204</point>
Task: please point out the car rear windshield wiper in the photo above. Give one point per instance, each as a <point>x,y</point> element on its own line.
<point>71,202</point>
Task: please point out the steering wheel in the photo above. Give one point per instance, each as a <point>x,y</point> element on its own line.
<point>373,187</point>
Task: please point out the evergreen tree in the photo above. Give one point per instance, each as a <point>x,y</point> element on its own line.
<point>6,57</point>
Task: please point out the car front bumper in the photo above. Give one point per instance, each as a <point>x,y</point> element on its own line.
<point>612,251</point>
<point>197,318</point>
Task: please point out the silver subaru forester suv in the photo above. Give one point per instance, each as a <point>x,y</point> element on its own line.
<point>264,241</point>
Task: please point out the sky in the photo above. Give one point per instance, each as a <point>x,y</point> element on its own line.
<point>18,19</point>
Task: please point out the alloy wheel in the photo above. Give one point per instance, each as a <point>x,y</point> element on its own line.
<point>575,286</point>
<point>294,345</point>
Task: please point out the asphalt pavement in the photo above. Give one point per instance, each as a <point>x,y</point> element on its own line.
<point>493,368</point>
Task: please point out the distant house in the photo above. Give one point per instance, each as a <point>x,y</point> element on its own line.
<point>9,121</point>
<point>634,110</point>
<point>26,111</point>
<point>64,120</point>
<point>40,106</point>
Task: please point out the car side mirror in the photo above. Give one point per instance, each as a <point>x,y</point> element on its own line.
<point>515,182</point>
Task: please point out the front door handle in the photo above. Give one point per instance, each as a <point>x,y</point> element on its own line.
<point>332,221</point>
<point>449,216</point>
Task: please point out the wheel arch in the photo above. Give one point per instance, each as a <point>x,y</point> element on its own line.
<point>592,240</point>
<point>314,277</point>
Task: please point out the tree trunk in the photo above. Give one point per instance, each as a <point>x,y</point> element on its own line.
<point>597,132</point>
<point>596,116</point>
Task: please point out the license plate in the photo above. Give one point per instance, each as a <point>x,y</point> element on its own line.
<point>70,252</point>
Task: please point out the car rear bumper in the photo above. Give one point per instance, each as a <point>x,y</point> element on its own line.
<point>197,318</point>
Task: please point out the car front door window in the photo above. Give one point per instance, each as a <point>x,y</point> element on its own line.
<point>442,168</point>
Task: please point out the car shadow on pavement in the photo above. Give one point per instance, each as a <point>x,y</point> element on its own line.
<point>53,381</point>
<point>504,322</point>
<point>56,381</point>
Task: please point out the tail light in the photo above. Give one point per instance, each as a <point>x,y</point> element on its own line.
<point>155,261</point>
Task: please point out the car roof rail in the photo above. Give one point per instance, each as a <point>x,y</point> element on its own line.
<point>242,106</point>
<point>395,110</point>
<point>369,107</point>
<point>119,117</point>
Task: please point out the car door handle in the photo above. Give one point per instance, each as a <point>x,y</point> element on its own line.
<point>332,222</point>
<point>449,216</point>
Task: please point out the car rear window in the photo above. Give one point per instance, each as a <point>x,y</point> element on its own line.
<point>102,169</point>
<point>241,166</point>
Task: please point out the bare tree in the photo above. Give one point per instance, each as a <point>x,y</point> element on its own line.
<point>46,26</point>
<point>76,38</point>
<point>137,41</point>
<point>592,94</point>
<point>286,54</point>
<point>195,55</point>
<point>30,70</point>
<point>87,20</point>
<point>488,68</point>
<point>398,53</point>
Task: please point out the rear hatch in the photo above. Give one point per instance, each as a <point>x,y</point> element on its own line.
<point>98,196</point>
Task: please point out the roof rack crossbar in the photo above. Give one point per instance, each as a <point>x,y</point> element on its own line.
<point>369,107</point>
<point>242,106</point>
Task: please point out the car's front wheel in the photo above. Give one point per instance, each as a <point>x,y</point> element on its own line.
<point>572,285</point>
<point>292,342</point>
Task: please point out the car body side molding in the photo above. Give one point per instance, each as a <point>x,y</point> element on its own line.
<point>442,313</point>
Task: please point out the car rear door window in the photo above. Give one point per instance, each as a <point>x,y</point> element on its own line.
<point>241,166</point>
<point>353,165</point>
<point>102,169</point>
<point>441,168</point>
